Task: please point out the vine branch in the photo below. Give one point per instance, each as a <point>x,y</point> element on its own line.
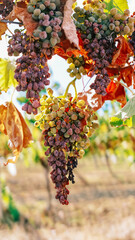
<point>71,83</point>
<point>7,21</point>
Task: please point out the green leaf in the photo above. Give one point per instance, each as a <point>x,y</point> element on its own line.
<point>22,100</point>
<point>128,110</point>
<point>116,122</point>
<point>121,5</point>
<point>7,75</point>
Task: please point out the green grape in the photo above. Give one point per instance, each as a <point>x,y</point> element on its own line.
<point>77,63</point>
<point>108,32</point>
<point>91,19</point>
<point>36,32</point>
<point>80,19</point>
<point>72,66</point>
<point>33,2</point>
<point>74,117</point>
<point>89,36</point>
<point>83,28</point>
<point>111,26</point>
<point>69,70</point>
<point>42,7</point>
<point>53,41</point>
<point>58,13</point>
<point>57,2</point>
<point>78,76</point>
<point>77,9</point>
<point>34,17</point>
<point>37,12</point>
<point>98,36</point>
<point>41,16</point>
<point>70,60</point>
<point>52,6</point>
<point>66,135</point>
<point>75,15</point>
<point>49,29</point>
<point>72,74</point>
<point>75,70</point>
<point>104,27</point>
<point>30,9</point>
<point>81,69</point>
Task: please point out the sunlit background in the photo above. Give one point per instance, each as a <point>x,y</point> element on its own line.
<point>102,199</point>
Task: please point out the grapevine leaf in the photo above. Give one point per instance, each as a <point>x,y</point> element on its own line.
<point>22,14</point>
<point>111,87</point>
<point>7,74</point>
<point>13,125</point>
<point>127,75</point>
<point>128,110</point>
<point>68,25</point>
<point>117,122</point>
<point>123,52</point>
<point>121,5</point>
<point>22,100</point>
<point>3,28</point>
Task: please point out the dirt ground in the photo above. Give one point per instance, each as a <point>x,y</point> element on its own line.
<point>101,207</point>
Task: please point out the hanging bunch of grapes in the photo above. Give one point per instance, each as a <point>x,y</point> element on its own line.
<point>32,71</point>
<point>67,124</point>
<point>49,16</point>
<point>98,31</point>
<point>6,6</point>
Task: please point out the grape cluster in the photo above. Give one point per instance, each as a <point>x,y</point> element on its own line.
<point>31,71</point>
<point>76,67</point>
<point>66,125</point>
<point>6,6</point>
<point>132,41</point>
<point>98,30</point>
<point>49,16</point>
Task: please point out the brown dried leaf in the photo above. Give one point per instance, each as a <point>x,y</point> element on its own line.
<point>3,113</point>
<point>27,136</point>
<point>13,125</point>
<point>3,28</point>
<point>22,15</point>
<point>68,25</point>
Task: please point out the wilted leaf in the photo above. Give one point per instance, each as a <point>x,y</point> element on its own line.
<point>22,14</point>
<point>127,75</point>
<point>3,28</point>
<point>128,110</point>
<point>111,87</point>
<point>118,94</point>
<point>68,25</point>
<point>13,125</point>
<point>123,52</point>
<point>6,74</point>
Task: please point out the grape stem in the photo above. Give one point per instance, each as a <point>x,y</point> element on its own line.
<point>71,83</point>
<point>7,21</point>
<point>9,31</point>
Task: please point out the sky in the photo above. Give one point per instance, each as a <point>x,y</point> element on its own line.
<point>58,65</point>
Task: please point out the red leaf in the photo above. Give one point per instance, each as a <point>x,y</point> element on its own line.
<point>112,71</point>
<point>123,52</point>
<point>118,94</point>
<point>127,75</point>
<point>111,87</point>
